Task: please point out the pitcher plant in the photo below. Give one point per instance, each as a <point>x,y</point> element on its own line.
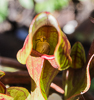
<point>46,51</point>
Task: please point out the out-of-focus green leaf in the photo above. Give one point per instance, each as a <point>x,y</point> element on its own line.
<point>5,97</point>
<point>18,93</point>
<point>2,88</point>
<point>78,56</point>
<point>3,10</point>
<point>27,3</point>
<point>50,5</point>
<point>8,69</point>
<point>1,73</point>
<point>90,53</point>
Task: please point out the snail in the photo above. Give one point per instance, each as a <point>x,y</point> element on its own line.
<point>42,45</point>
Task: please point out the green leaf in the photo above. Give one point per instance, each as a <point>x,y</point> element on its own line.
<point>90,53</point>
<point>42,74</point>
<point>50,5</point>
<point>78,56</point>
<point>18,93</point>
<point>2,88</point>
<point>5,97</point>
<point>27,3</point>
<point>43,6</point>
<point>76,81</point>
<point>3,10</point>
<point>1,73</point>
<point>62,52</point>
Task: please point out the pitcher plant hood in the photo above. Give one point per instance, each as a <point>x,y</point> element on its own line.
<point>45,27</point>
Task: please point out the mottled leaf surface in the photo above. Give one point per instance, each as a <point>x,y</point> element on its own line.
<point>76,80</point>
<point>62,52</point>
<point>5,97</point>
<point>25,51</point>
<point>47,76</point>
<point>78,56</point>
<point>18,93</point>
<point>42,74</point>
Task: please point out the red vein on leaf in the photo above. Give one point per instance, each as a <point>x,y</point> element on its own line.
<point>88,78</point>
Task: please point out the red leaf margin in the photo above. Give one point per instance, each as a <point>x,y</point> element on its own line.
<point>62,48</point>
<point>88,80</point>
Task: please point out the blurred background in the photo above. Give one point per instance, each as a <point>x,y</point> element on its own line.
<point>16,16</point>
<point>74,17</point>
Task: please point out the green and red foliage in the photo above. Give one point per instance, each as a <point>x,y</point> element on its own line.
<point>46,51</point>
<point>76,79</point>
<point>43,57</point>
